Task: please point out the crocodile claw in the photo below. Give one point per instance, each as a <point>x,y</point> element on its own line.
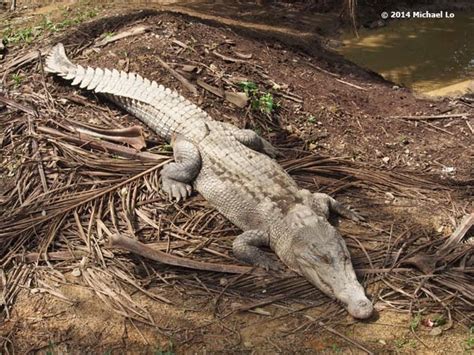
<point>268,264</point>
<point>176,190</point>
<point>270,150</point>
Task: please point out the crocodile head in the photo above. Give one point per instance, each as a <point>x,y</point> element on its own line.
<point>319,253</point>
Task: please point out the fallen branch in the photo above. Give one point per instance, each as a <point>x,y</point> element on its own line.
<point>86,140</point>
<point>432,117</point>
<point>228,59</point>
<point>134,31</point>
<point>323,70</point>
<point>352,85</point>
<point>132,136</point>
<point>136,247</point>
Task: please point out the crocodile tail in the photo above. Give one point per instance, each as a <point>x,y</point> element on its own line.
<point>57,62</point>
<point>160,108</point>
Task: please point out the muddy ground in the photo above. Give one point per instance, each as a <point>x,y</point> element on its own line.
<point>325,105</point>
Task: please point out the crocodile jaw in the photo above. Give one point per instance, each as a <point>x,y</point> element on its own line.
<point>319,253</point>
<point>345,289</point>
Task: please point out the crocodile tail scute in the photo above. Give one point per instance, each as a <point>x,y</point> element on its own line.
<point>57,62</point>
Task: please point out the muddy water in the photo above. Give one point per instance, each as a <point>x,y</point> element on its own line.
<point>423,54</point>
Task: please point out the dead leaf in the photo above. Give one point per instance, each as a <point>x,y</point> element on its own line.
<point>239,99</point>
<point>188,68</point>
<point>213,89</point>
<point>243,55</point>
<point>423,262</point>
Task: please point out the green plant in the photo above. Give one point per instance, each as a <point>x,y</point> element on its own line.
<point>50,350</point>
<point>259,100</point>
<point>168,351</point>
<point>17,79</point>
<point>27,35</point>
<point>336,349</point>
<point>399,343</point>
<point>469,344</point>
<point>415,322</point>
<point>266,103</point>
<point>312,119</point>
<point>439,321</point>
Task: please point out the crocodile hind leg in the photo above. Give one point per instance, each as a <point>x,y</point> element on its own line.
<point>246,248</point>
<point>252,140</point>
<point>325,204</point>
<point>176,177</point>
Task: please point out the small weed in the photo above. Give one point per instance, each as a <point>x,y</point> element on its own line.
<point>469,344</point>
<point>168,351</point>
<point>17,80</point>
<point>415,322</point>
<point>109,34</point>
<point>439,321</point>
<point>27,35</point>
<point>249,87</point>
<point>50,350</point>
<point>399,343</point>
<point>266,103</point>
<point>167,147</point>
<point>336,349</point>
<point>259,100</point>
<point>403,140</point>
<point>312,119</point>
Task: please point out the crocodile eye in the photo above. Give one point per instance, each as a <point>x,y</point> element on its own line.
<point>326,259</point>
<point>323,258</point>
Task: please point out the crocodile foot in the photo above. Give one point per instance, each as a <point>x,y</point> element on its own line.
<point>175,189</point>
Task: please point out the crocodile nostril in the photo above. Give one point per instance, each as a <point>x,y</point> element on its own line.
<point>361,309</point>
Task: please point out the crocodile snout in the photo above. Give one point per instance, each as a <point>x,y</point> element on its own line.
<point>361,309</point>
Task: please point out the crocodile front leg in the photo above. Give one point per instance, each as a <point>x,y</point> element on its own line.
<point>252,140</point>
<point>246,248</point>
<point>176,177</point>
<point>326,204</point>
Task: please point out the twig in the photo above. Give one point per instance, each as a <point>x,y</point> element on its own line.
<point>469,126</point>
<point>323,70</point>
<point>178,76</point>
<point>134,31</point>
<point>353,85</point>
<point>432,117</point>
<point>228,59</point>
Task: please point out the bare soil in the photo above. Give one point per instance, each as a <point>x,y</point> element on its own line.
<point>327,106</point>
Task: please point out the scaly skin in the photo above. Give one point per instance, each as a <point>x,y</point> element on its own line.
<point>226,166</point>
